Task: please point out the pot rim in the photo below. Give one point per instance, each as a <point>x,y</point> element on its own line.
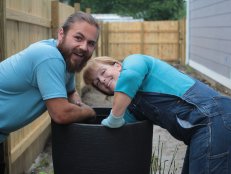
<point>100,125</point>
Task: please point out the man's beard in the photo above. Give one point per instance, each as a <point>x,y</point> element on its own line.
<point>71,67</point>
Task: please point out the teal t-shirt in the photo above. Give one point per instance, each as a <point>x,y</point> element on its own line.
<point>148,74</point>
<point>27,79</point>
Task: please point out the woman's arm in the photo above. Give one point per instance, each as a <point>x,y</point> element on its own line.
<point>120,103</point>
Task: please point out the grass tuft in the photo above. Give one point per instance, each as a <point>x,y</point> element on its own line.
<point>157,163</point>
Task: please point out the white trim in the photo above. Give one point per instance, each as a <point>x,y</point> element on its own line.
<point>187,33</point>
<point>213,75</point>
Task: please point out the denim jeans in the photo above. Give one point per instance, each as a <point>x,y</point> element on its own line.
<point>201,118</point>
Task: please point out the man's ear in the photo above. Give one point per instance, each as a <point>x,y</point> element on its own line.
<point>60,34</point>
<point>118,65</point>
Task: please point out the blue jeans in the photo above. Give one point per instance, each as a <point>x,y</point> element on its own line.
<point>210,149</point>
<point>201,118</point>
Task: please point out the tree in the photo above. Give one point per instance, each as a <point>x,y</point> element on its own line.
<point>166,10</point>
<point>146,9</point>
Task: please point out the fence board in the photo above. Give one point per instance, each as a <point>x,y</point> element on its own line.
<point>26,21</point>
<point>161,39</point>
<point>24,17</point>
<point>28,26</point>
<point>23,138</point>
<point>39,8</point>
<point>60,13</point>
<point>124,27</point>
<point>3,29</point>
<point>117,50</point>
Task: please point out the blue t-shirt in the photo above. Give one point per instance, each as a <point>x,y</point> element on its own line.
<point>27,79</point>
<point>147,74</point>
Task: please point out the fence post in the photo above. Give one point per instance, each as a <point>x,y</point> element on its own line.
<point>77,7</point>
<point>54,18</point>
<point>3,53</point>
<point>106,43</point>
<point>142,38</point>
<point>78,76</point>
<point>102,48</point>
<point>182,41</point>
<point>3,30</point>
<point>88,10</point>
<point>100,52</point>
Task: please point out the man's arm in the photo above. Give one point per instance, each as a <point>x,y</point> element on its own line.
<point>64,112</point>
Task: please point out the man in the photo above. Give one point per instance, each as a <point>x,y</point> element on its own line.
<point>41,77</point>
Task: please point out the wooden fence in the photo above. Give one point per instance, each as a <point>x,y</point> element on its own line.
<point>161,39</point>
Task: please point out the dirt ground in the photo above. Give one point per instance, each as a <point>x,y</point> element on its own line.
<point>43,164</point>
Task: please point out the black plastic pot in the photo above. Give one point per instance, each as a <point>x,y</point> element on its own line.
<point>90,148</point>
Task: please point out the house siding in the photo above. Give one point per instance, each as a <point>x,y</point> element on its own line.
<point>209,38</point>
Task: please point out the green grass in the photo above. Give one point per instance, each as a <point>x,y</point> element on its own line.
<point>158,166</point>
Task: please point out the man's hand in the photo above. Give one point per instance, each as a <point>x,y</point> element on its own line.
<point>74,98</point>
<point>64,112</point>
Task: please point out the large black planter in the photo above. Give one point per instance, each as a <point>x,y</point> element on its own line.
<point>90,148</point>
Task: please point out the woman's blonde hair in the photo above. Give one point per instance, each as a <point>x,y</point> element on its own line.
<point>93,65</point>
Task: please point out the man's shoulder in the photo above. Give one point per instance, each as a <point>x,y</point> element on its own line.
<point>44,49</point>
<point>41,51</point>
<point>49,44</point>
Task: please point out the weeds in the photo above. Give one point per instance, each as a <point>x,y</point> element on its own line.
<point>43,166</point>
<point>157,163</point>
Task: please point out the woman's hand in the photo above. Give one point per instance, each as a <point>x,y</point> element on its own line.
<point>120,104</point>
<point>113,121</point>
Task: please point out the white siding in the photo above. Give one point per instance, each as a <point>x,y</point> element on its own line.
<point>209,38</point>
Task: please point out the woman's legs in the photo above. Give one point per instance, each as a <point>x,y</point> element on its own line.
<point>210,149</point>
<point>185,169</point>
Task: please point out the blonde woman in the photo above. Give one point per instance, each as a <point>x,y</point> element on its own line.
<point>147,88</point>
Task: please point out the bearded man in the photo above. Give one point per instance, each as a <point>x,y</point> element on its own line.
<point>42,77</point>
